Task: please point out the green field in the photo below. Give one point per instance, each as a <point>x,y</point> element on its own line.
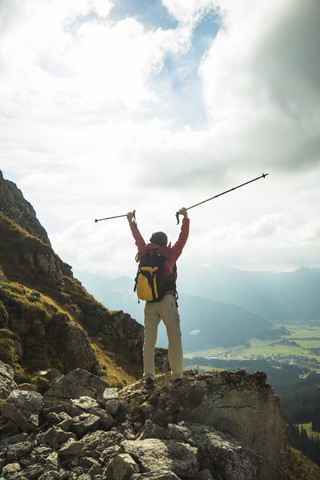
<point>308,429</point>
<point>301,347</point>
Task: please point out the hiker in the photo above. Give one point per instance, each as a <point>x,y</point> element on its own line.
<point>166,309</point>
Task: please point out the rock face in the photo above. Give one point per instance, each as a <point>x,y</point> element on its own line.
<point>234,403</point>
<point>23,408</point>
<point>221,426</point>
<point>7,383</point>
<point>40,334</point>
<point>14,206</point>
<point>47,319</point>
<point>76,384</point>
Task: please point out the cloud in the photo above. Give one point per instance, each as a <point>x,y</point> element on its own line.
<point>189,12</point>
<point>194,332</point>
<point>100,115</point>
<point>259,79</point>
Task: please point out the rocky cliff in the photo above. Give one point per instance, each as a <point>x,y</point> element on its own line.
<point>47,319</point>
<point>220,425</point>
<point>15,206</point>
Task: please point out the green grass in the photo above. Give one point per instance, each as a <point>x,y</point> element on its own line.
<point>21,276</point>
<point>308,428</point>
<point>302,468</point>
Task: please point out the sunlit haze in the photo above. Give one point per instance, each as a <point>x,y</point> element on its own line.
<point>109,106</point>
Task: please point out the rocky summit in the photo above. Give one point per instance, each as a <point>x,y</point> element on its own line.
<point>15,206</point>
<point>212,426</point>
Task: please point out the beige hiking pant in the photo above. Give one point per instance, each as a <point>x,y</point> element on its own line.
<point>167,311</point>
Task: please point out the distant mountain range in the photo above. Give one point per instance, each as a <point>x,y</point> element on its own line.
<point>225,307</point>
<point>277,297</point>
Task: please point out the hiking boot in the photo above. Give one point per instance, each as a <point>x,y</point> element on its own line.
<point>177,382</point>
<point>149,383</point>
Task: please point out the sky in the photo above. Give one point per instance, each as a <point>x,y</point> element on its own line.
<point>153,105</point>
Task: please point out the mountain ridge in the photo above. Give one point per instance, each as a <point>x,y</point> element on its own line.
<point>277,297</point>
<point>47,319</point>
<point>224,324</point>
<point>19,210</point>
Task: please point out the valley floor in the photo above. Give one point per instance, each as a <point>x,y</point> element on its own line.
<point>301,348</point>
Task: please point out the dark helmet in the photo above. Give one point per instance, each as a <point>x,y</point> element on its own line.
<point>159,238</point>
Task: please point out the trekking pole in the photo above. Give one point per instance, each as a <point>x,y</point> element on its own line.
<point>223,193</point>
<point>117,216</point>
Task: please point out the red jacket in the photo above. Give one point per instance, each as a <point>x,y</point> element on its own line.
<point>172,253</point>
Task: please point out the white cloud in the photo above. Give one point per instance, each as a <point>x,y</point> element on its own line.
<point>189,12</point>
<point>86,132</point>
<point>260,78</point>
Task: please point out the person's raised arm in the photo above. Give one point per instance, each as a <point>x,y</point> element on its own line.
<point>135,231</point>
<point>183,237</point>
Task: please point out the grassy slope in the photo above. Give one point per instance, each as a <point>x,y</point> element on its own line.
<point>21,279</point>
<point>302,468</point>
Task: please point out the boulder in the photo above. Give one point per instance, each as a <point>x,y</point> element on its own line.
<point>121,467</point>
<point>76,384</point>
<point>155,455</point>
<point>216,448</point>
<point>209,427</point>
<point>23,408</point>
<point>163,475</point>
<point>7,383</point>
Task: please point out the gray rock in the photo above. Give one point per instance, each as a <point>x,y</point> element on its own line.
<point>90,406</point>
<point>7,383</point>
<point>109,453</point>
<point>100,440</point>
<point>51,475</point>
<point>163,475</point>
<point>110,394</point>
<point>151,430</point>
<point>232,402</point>
<point>204,475</point>
<point>245,407</point>
<point>122,467</point>
<point>155,455</point>
<point>179,432</point>
<point>28,387</point>
<point>51,462</point>
<point>87,463</point>
<point>23,408</point>
<point>112,406</point>
<point>83,404</point>
<point>11,469</point>
<point>216,449</point>
<point>18,450</point>
<point>85,423</point>
<point>76,384</point>
<point>203,430</point>
<point>71,447</point>
<point>79,351</point>
<point>31,472</point>
<point>55,437</point>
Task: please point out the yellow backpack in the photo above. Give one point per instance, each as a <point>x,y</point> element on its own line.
<point>149,282</point>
